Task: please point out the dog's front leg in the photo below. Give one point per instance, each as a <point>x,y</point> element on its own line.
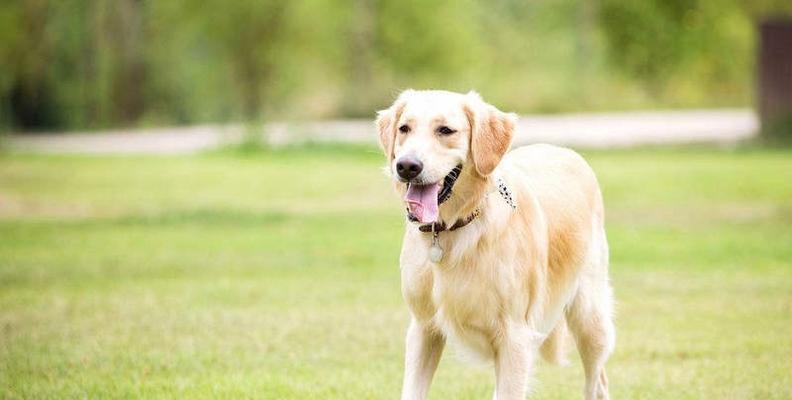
<point>514,357</point>
<point>424,347</point>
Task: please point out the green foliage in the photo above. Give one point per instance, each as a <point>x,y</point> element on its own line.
<point>98,63</point>
<point>275,275</point>
<point>415,37</point>
<point>682,45</point>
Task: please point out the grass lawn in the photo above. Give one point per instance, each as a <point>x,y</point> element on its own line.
<point>274,275</point>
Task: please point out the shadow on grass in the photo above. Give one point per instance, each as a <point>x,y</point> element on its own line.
<point>205,217</point>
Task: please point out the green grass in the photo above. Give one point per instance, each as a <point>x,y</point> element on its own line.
<point>274,275</point>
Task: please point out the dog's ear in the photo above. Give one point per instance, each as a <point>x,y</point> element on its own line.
<point>386,123</point>
<point>491,132</point>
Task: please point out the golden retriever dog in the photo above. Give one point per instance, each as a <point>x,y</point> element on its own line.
<point>503,253</point>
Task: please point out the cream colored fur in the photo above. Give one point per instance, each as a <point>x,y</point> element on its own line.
<point>511,281</point>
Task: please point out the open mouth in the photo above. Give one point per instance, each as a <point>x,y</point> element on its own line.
<point>423,201</point>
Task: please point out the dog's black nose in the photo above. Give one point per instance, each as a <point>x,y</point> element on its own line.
<point>408,167</point>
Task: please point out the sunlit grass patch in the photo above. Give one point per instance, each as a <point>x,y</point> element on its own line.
<point>275,275</point>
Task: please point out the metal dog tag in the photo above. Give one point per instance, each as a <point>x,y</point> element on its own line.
<point>435,251</point>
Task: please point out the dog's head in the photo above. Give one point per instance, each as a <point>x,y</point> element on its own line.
<point>433,139</point>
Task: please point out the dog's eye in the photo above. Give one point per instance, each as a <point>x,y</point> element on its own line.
<point>445,130</point>
<point>404,129</point>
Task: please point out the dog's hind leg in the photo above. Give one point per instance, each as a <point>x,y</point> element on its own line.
<point>590,318</point>
<point>554,347</point>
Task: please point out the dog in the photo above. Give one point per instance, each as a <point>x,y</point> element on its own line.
<point>503,253</point>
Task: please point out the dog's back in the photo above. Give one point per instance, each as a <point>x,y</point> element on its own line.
<point>568,194</point>
<point>567,191</point>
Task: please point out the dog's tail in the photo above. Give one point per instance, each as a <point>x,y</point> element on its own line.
<point>555,346</point>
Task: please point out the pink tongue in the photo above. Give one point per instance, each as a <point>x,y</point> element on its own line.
<point>422,201</point>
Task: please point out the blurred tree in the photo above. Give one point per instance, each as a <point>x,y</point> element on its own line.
<point>100,63</point>
<point>247,34</point>
<point>361,59</point>
<point>27,47</point>
<point>764,9</point>
<point>119,44</point>
<point>659,41</point>
<point>586,31</point>
<point>74,62</point>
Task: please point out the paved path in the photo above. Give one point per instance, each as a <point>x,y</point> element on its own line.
<point>725,127</point>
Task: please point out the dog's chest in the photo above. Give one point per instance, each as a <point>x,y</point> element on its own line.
<point>470,293</point>
<point>467,307</point>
